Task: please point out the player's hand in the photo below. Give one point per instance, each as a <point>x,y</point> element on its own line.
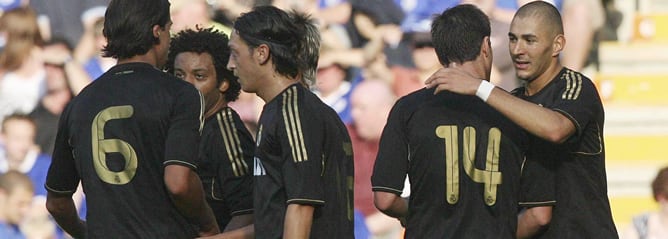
<point>209,230</point>
<point>453,79</point>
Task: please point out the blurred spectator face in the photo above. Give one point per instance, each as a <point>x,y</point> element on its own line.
<point>198,69</point>
<point>329,79</point>
<point>57,89</point>
<point>371,102</point>
<point>425,57</point>
<point>17,204</point>
<point>19,137</point>
<point>188,14</point>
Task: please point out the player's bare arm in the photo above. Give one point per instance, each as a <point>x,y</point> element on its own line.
<point>391,204</point>
<point>186,191</point>
<point>65,213</point>
<point>533,221</point>
<point>542,122</point>
<point>298,220</point>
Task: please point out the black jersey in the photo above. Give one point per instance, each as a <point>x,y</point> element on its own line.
<point>226,158</point>
<point>116,137</point>
<point>574,172</point>
<point>463,160</point>
<point>304,156</point>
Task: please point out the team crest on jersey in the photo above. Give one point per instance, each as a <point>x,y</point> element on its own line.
<point>258,168</point>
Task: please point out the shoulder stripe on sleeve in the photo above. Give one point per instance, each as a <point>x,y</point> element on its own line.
<point>293,126</point>
<point>232,143</point>
<point>573,85</point>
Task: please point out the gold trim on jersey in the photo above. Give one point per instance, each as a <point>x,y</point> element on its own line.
<point>232,142</point>
<point>213,191</point>
<point>201,112</point>
<point>293,125</point>
<point>305,200</point>
<point>387,189</point>
<point>573,85</point>
<point>58,191</point>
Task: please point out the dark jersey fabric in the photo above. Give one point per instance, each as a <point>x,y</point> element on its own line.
<point>226,160</point>
<point>116,137</point>
<point>463,160</point>
<point>303,156</point>
<point>573,172</point>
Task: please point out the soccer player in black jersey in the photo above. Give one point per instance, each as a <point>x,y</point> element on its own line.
<point>462,157</point>
<point>226,150</point>
<point>303,159</point>
<point>131,138</point>
<point>563,110</point>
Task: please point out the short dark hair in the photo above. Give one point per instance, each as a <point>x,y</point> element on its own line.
<point>543,13</point>
<point>128,26</point>
<point>275,28</point>
<point>208,41</point>
<point>458,33</point>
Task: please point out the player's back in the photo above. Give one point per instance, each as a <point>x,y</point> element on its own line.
<point>463,160</point>
<point>304,156</point>
<point>134,119</point>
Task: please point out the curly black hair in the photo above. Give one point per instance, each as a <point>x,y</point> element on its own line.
<point>213,42</point>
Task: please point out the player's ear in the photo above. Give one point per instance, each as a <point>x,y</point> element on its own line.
<point>224,86</point>
<point>558,44</point>
<point>156,31</point>
<point>261,54</point>
<point>486,47</point>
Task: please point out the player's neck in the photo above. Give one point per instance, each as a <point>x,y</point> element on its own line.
<point>148,58</point>
<point>474,68</point>
<point>275,84</point>
<point>536,85</point>
<point>216,106</point>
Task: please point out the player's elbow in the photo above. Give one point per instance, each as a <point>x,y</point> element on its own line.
<point>56,205</point>
<point>556,136</point>
<point>384,201</point>
<point>559,132</point>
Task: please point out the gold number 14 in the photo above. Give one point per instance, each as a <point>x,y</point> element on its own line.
<point>490,176</point>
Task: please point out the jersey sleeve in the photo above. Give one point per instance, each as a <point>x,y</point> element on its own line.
<point>391,166</point>
<point>63,177</point>
<point>183,137</point>
<point>234,178</point>
<point>579,99</point>
<point>302,138</point>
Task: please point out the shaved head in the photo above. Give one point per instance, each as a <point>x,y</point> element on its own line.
<point>544,14</point>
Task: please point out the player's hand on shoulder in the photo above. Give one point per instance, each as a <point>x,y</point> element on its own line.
<point>454,79</point>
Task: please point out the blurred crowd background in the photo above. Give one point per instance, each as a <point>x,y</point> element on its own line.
<point>373,52</point>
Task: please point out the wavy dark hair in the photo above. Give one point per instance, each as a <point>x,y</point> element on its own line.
<point>128,26</point>
<point>458,32</point>
<point>275,28</point>
<point>310,46</point>
<point>208,41</point>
